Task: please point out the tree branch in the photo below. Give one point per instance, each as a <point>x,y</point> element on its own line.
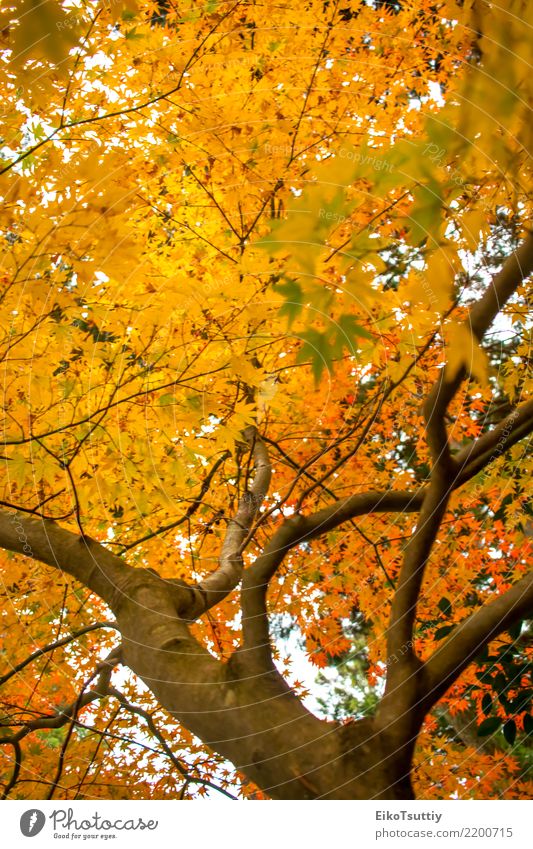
<point>55,645</point>
<point>445,470</point>
<point>103,670</point>
<point>299,529</point>
<point>518,266</point>
<point>82,557</point>
<point>491,445</point>
<point>154,730</point>
<point>56,720</point>
<point>229,572</point>
<point>467,639</point>
<point>191,509</point>
<point>295,531</point>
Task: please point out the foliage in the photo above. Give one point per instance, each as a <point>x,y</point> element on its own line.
<point>228,218</point>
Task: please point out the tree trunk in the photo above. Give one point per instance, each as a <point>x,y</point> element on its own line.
<point>250,716</point>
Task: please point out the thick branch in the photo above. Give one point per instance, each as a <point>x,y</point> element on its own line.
<point>81,557</point>
<point>417,551</point>
<point>491,445</point>
<point>517,267</point>
<point>299,529</point>
<point>295,531</point>
<point>445,478</point>
<point>445,471</point>
<point>229,572</point>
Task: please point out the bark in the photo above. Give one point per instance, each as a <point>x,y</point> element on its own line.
<point>253,718</point>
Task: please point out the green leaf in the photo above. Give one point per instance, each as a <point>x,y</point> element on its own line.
<point>194,401</point>
<point>167,400</point>
<point>18,469</point>
<point>486,704</point>
<point>347,331</point>
<point>445,605</point>
<point>522,701</point>
<point>528,723</point>
<point>319,297</point>
<point>294,299</point>
<point>443,632</point>
<point>489,726</point>
<point>425,218</point>
<point>351,328</point>
<point>317,349</point>
<point>509,731</point>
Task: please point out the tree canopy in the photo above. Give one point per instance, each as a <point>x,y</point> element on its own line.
<point>265,349</point>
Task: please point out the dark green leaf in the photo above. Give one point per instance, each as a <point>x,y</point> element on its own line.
<point>501,683</point>
<point>292,291</point>
<point>509,731</point>
<point>445,605</point>
<point>483,655</point>
<point>425,218</point>
<point>486,704</point>
<point>522,701</point>
<point>350,328</point>
<point>443,632</point>
<point>315,349</point>
<point>515,631</point>
<point>489,726</point>
<point>505,702</point>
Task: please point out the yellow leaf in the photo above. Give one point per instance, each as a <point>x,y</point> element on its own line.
<point>474,226</point>
<point>18,469</point>
<point>244,370</point>
<point>440,276</point>
<point>268,389</point>
<point>44,29</point>
<point>464,351</point>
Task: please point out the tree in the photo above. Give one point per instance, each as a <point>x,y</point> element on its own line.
<point>265,347</point>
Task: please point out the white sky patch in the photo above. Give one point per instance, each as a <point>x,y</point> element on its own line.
<point>435,93</point>
<point>301,670</point>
